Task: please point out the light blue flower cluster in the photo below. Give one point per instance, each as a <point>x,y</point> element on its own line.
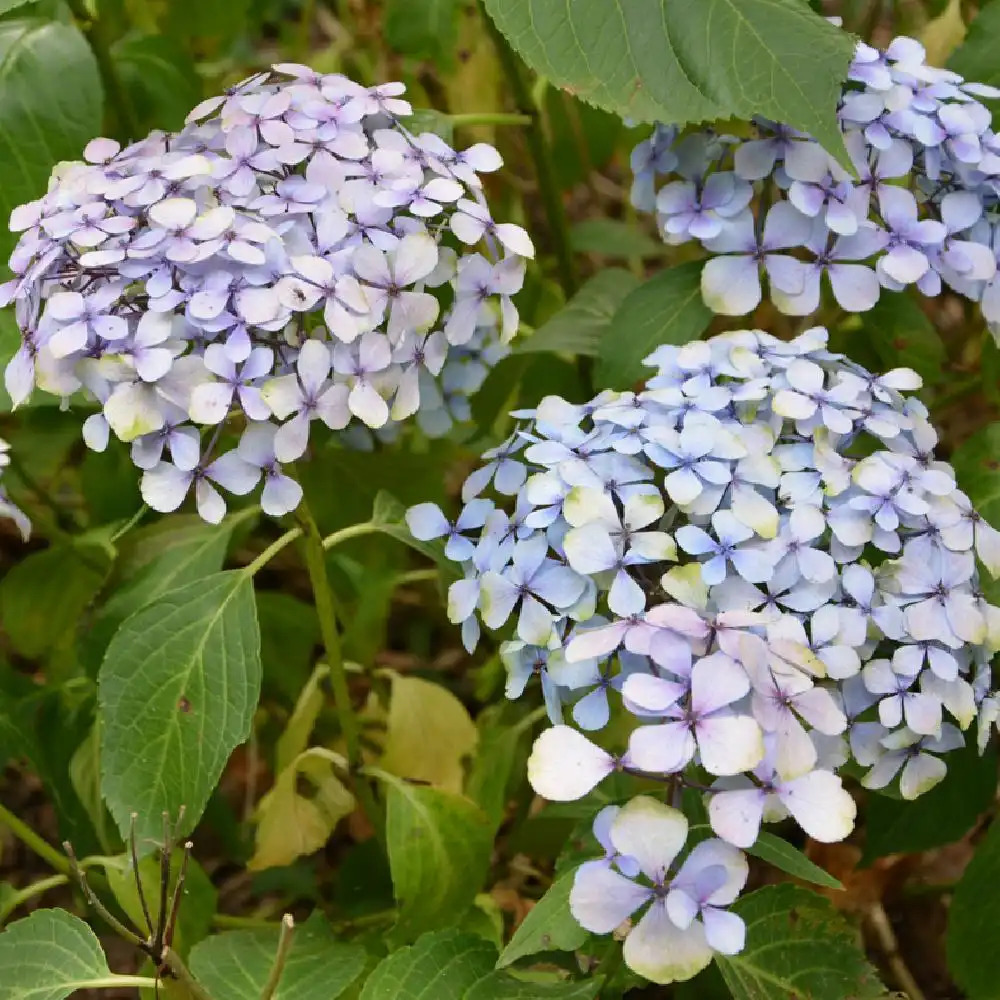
<point>295,254</point>
<point>923,210</point>
<point>760,559</point>
<point>7,509</point>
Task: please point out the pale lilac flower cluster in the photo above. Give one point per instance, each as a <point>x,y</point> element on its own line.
<point>758,559</point>
<point>923,210</point>
<point>294,256</point>
<point>7,509</point>
<point>686,921</point>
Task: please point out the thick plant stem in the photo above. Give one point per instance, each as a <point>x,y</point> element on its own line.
<point>541,154</point>
<point>325,611</point>
<point>114,89</point>
<point>173,962</point>
<point>34,842</point>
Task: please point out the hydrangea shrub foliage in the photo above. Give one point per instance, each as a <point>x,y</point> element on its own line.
<point>509,622</point>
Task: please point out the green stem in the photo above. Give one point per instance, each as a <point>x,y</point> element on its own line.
<point>542,156</point>
<point>345,534</point>
<point>315,557</point>
<point>491,118</point>
<point>115,982</point>
<point>272,550</point>
<point>130,523</point>
<point>94,31</point>
<point>280,957</point>
<point>34,842</point>
<point>12,902</point>
<point>173,962</point>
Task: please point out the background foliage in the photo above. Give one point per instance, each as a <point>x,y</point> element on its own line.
<point>150,663</point>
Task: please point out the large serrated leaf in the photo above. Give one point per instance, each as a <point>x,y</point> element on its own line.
<point>439,850</point>
<point>178,688</point>
<point>49,955</point>
<point>236,965</point>
<point>50,106</point>
<point>797,945</point>
<point>682,61</point>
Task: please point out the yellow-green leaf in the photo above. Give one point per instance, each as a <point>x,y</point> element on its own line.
<point>290,824</point>
<point>430,733</point>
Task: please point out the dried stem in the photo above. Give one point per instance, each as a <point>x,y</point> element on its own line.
<point>280,957</point>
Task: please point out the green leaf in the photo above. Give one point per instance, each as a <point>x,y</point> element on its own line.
<point>667,309</point>
<point>659,60</point>
<point>549,925</point>
<point>579,326</point>
<point>456,965</point>
<point>85,777</point>
<point>976,57</point>
<point>171,555</point>
<point>178,689</point>
<point>613,238</point>
<point>198,902</point>
<point>49,955</point>
<point>941,816</point>
<point>50,107</point>
<point>160,78</point>
<point>299,813</point>
<point>425,29</point>
<point>789,859</point>
<point>439,966</point>
<point>974,922</point>
<point>903,336</point>
<point>289,635</point>
<point>389,517</point>
<point>235,965</point>
<point>44,595</point>
<point>429,734</point>
<point>439,848</point>
<point>500,746</point>
<point>977,468</point>
<point>503,986</point>
<point>797,945</point>
<point>6,6</point>
<point>218,20</point>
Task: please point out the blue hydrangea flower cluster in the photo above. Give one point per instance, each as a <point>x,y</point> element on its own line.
<point>922,210</point>
<point>7,509</point>
<point>295,254</point>
<point>759,559</point>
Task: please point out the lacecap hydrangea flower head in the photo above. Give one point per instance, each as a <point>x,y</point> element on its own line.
<point>922,208</point>
<point>295,256</point>
<point>760,561</point>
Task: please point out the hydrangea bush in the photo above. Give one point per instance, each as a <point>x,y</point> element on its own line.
<point>921,208</point>
<point>741,582</point>
<point>760,560</point>
<point>296,254</point>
